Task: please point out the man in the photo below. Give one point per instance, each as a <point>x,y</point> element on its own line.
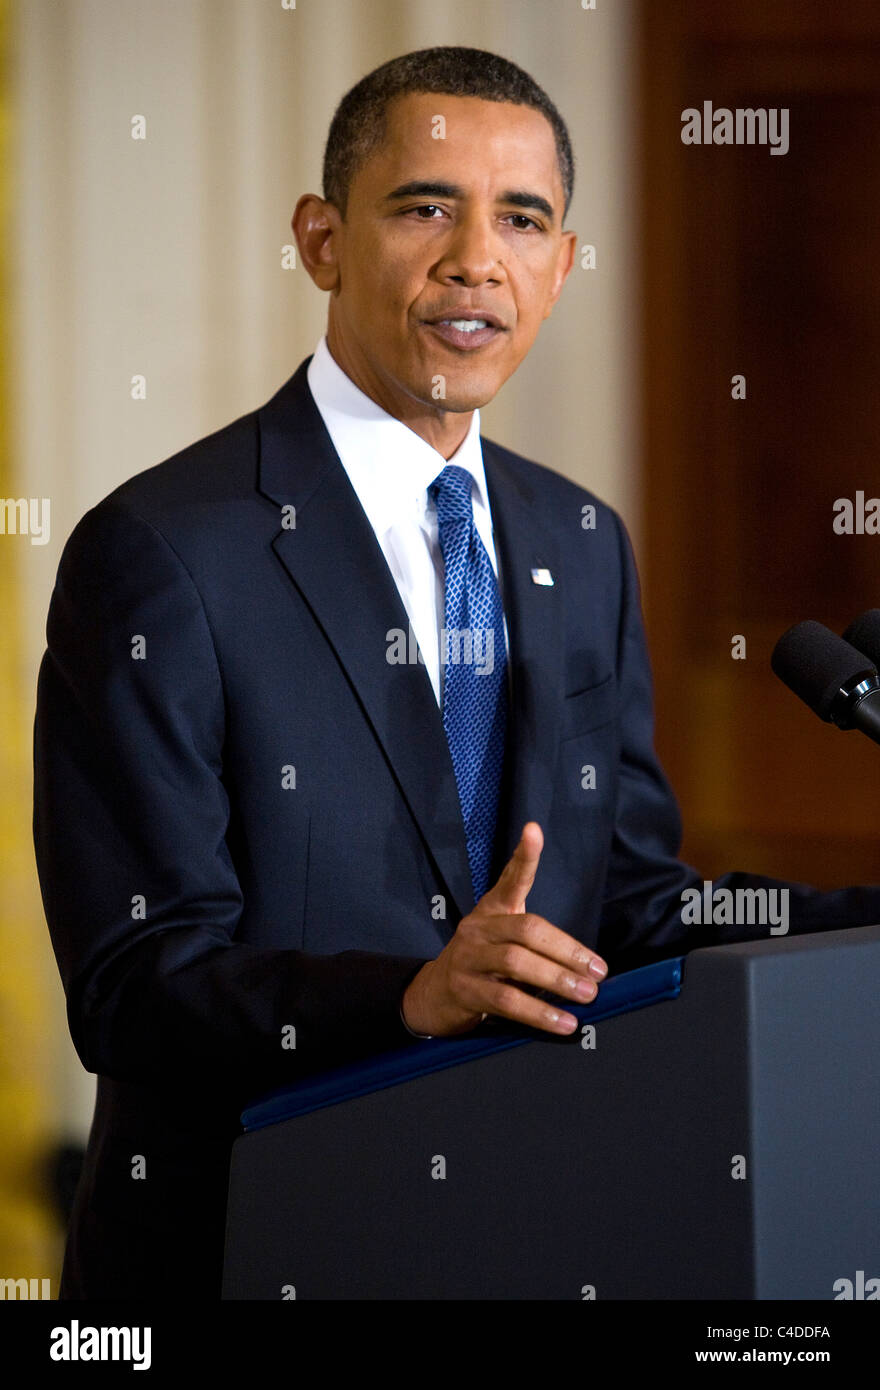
<point>344,729</point>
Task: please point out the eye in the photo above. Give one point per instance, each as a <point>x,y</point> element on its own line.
<point>426,208</point>
<point>520,217</point>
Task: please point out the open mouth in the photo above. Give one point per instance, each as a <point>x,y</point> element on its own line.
<point>466,333</point>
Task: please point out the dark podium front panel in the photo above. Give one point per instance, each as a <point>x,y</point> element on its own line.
<point>719,1140</point>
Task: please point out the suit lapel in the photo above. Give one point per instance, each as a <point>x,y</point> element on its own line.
<point>535,626</point>
<point>337,565</point>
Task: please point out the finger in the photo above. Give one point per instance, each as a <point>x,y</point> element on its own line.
<point>511,961</point>
<point>504,1000</point>
<point>539,936</point>
<point>516,878</point>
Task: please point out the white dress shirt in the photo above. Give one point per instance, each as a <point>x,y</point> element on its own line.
<point>390,468</point>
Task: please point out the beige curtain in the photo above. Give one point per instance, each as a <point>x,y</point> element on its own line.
<point>29,1246</point>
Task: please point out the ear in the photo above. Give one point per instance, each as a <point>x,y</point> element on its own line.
<point>564,262</point>
<point>317,226</point>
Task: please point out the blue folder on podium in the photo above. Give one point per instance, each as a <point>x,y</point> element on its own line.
<point>633,990</point>
<point>711,1130</point>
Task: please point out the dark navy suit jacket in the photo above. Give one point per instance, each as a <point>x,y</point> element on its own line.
<point>245,817</point>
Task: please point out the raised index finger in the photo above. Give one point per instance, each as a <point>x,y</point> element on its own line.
<point>516,878</point>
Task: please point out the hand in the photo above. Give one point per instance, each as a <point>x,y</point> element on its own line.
<point>494,946</point>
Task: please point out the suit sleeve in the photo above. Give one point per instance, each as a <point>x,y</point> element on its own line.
<point>130,819</point>
<point>642,909</point>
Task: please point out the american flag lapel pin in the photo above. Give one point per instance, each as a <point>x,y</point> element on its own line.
<point>544,577</point>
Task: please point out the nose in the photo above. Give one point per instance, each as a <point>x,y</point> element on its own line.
<point>472,253</point>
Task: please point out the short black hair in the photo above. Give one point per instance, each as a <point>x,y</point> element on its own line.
<point>359,123</point>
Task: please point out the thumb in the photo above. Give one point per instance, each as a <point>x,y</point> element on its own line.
<point>516,878</point>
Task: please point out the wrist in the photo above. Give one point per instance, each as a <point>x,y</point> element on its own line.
<point>409,1007</point>
<point>424,1036</point>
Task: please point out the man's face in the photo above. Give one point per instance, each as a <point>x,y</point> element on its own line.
<point>464,227</point>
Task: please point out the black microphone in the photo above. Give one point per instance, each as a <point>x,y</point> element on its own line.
<point>834,678</point>
<point>864,633</point>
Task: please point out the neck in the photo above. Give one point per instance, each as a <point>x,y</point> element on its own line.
<point>444,430</point>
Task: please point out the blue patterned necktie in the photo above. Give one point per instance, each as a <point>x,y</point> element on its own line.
<point>474,659</point>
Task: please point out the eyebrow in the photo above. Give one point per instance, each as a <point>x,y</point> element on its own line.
<point>426,188</point>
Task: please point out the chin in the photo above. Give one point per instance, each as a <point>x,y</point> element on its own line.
<point>468,390</point>
<point>464,401</point>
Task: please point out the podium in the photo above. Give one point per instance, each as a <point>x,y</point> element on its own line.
<point>710,1131</point>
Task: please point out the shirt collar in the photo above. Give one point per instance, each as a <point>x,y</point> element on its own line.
<point>389,464</point>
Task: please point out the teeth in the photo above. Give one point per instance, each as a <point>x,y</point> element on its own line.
<point>467,325</point>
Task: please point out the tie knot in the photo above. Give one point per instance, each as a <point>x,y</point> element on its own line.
<point>451,491</point>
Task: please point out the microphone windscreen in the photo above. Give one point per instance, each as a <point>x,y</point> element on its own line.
<point>864,634</point>
<point>814,662</point>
